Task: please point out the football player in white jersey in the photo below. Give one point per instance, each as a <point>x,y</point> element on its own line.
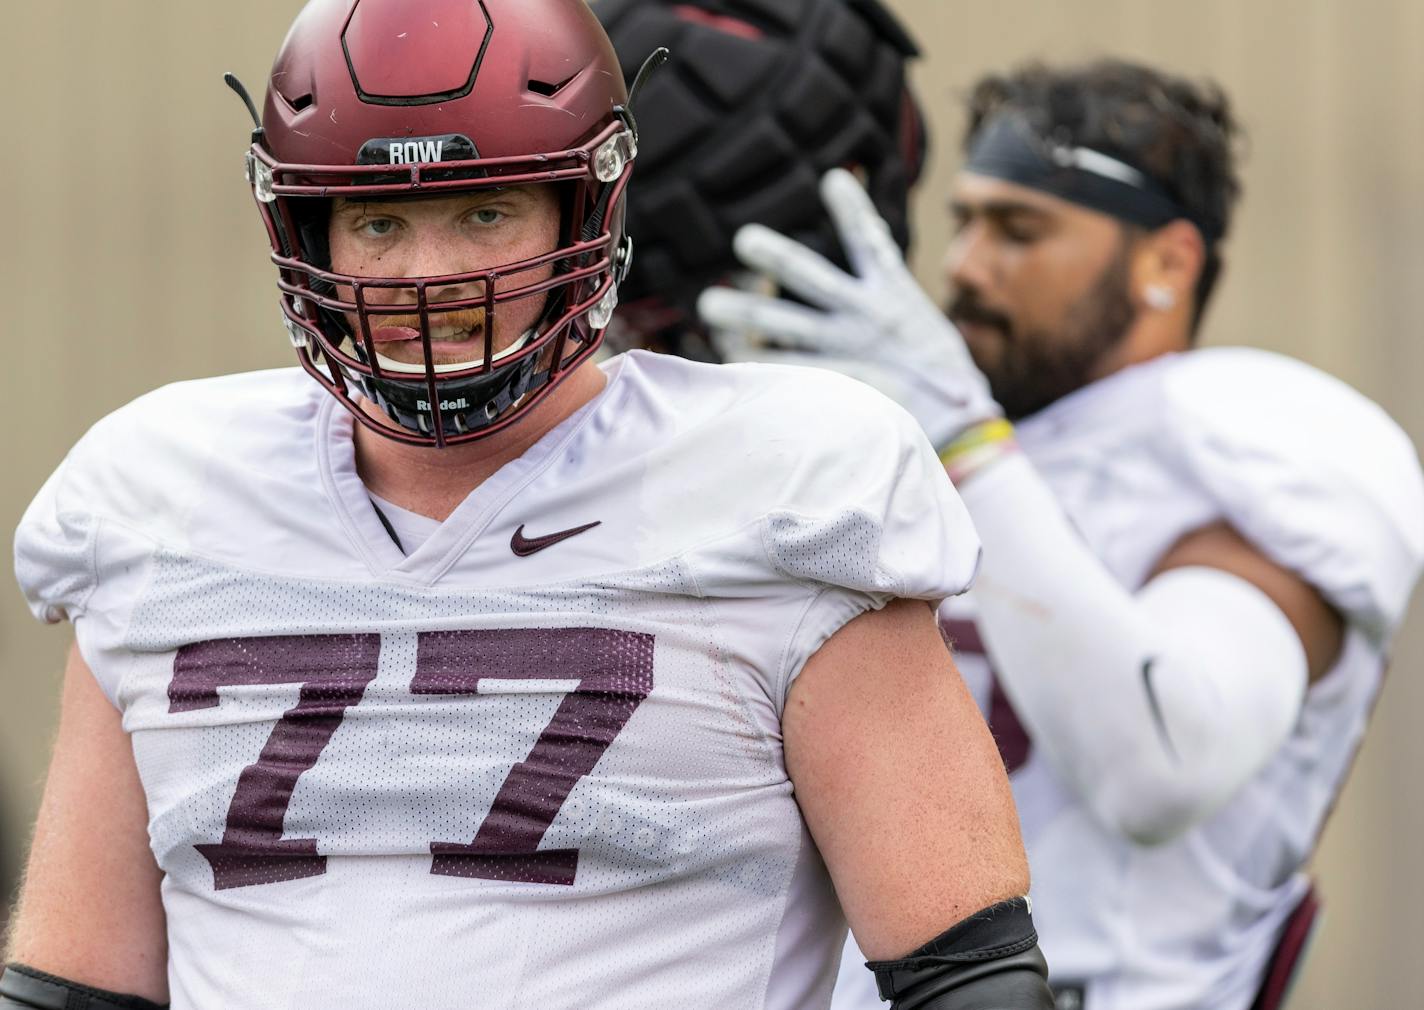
<point>1194,559</point>
<point>456,670</point>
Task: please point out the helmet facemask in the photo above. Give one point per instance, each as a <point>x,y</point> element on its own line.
<point>498,94</point>
<point>331,317</point>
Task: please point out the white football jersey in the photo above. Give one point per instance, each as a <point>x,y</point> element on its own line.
<point>537,762</point>
<point>1324,483</point>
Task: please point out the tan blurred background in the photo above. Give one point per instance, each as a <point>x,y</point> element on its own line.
<point>131,256</point>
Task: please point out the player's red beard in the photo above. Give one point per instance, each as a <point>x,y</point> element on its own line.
<point>1030,368</point>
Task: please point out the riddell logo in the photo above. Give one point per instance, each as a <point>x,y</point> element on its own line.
<point>415,152</point>
<point>460,404</point>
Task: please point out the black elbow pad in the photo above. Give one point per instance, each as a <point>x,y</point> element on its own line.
<point>23,988</point>
<point>990,961</point>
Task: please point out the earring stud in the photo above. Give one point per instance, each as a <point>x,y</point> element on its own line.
<point>1160,297</point>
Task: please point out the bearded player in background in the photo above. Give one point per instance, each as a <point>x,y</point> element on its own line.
<point>1194,559</point>
<point>454,669</point>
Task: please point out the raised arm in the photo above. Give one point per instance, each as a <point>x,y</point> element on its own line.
<point>1157,705</point>
<point>1162,703</point>
<point>906,797</point>
<point>89,910</point>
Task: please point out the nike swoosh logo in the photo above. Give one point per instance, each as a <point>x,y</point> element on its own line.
<point>524,546</point>
<point>1156,707</point>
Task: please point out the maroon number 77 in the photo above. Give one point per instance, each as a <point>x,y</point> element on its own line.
<point>614,671</point>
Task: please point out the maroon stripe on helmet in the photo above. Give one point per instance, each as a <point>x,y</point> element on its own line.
<point>719,22</point>
<point>913,142</point>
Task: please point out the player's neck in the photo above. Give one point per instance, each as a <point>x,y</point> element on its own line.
<point>433,482</point>
<point>1149,337</point>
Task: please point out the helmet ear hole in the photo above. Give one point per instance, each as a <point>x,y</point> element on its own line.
<point>313,219</point>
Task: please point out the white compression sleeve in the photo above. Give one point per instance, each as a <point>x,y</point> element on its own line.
<point>1156,707</point>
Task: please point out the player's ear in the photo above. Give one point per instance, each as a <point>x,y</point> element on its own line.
<point>1166,264</point>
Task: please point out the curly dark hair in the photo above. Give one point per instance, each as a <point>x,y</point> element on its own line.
<point>1183,134</point>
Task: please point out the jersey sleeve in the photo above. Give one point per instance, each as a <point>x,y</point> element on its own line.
<point>79,546</point>
<point>54,549</point>
<point>1319,478</point>
<point>871,517</point>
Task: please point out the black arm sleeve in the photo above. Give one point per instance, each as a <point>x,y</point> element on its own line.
<point>23,988</point>
<point>990,961</point>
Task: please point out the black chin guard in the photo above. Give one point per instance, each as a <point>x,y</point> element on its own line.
<point>470,405</point>
<point>990,961</point>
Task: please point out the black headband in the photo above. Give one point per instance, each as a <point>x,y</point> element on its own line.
<point>1008,149</point>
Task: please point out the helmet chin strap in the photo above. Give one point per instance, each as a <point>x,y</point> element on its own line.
<point>466,405</point>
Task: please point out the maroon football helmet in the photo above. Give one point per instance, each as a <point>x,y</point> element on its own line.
<point>399,98</point>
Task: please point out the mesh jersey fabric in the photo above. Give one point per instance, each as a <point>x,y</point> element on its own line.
<point>470,777</point>
<point>1324,483</point>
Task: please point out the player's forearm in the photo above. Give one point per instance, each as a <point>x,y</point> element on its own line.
<point>1156,707</point>
<point>23,987</point>
<point>75,947</point>
<point>90,909</point>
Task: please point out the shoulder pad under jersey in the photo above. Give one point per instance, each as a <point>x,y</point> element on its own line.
<point>1317,476</point>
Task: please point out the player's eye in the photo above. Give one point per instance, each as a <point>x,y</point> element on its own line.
<point>488,215</point>
<point>1019,233</point>
<point>378,227</point>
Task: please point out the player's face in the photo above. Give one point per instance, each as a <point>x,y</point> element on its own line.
<point>1040,290</point>
<point>439,236</point>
